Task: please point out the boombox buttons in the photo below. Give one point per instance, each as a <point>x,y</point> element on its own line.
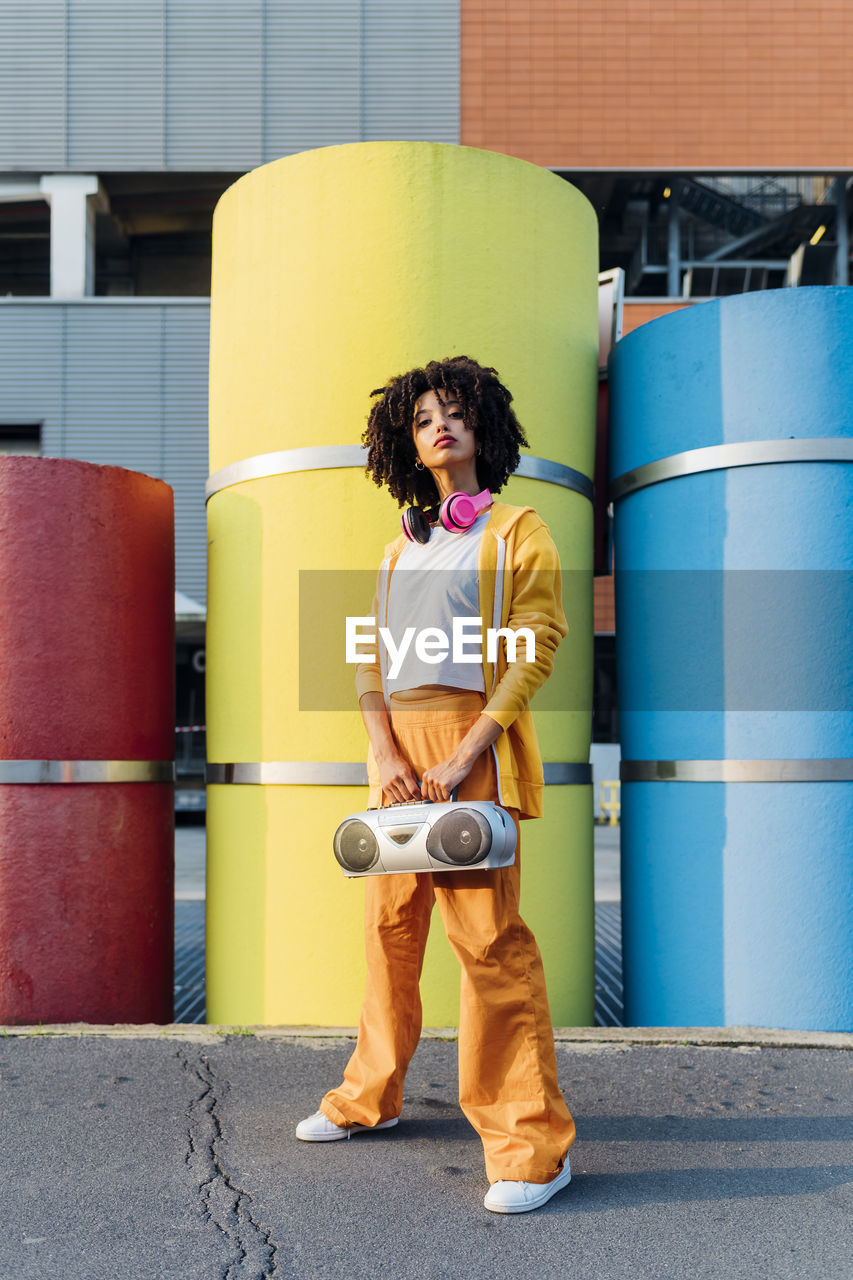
<point>422,836</point>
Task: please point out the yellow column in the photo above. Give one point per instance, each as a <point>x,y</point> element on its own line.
<point>332,271</point>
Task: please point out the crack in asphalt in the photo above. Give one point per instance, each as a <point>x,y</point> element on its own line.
<point>225,1203</point>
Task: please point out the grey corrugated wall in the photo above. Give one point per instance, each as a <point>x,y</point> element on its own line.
<point>219,84</point>
<point>121,383</point>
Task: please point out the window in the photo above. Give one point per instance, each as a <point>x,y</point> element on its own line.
<point>20,438</point>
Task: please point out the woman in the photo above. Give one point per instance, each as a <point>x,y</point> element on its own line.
<point>450,428</point>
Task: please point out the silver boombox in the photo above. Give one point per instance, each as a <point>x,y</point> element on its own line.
<point>421,835</point>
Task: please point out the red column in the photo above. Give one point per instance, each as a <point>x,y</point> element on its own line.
<point>86,673</point>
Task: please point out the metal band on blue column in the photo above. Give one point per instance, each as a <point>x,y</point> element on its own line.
<point>744,453</point>
<point>736,770</point>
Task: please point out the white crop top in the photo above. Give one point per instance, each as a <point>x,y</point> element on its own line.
<point>432,584</point>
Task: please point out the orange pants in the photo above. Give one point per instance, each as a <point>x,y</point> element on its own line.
<point>507,1067</point>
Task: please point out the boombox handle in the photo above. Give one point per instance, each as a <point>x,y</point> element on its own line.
<point>454,795</point>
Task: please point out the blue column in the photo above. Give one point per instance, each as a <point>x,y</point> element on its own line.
<point>734,606</point>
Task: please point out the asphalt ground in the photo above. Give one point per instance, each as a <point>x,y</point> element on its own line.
<point>169,1152</point>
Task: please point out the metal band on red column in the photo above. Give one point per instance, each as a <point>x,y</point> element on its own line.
<point>41,772</point>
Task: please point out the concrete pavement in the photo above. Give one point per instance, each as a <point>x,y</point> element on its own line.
<point>169,1152</point>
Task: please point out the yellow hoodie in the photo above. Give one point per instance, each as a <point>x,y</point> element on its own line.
<point>519,586</point>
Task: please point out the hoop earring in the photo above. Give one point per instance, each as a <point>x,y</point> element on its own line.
<point>479,451</point>
<point>419,466</point>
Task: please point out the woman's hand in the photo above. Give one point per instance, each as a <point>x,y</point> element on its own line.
<point>438,782</point>
<point>397,779</point>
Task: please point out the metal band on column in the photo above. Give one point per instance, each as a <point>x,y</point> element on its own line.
<point>324,457</point>
<point>744,453</point>
<point>325,773</point>
<point>736,770</point>
<point>39,772</point>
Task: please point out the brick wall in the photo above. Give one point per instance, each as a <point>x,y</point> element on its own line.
<point>603,611</point>
<point>637,311</point>
<point>619,84</point>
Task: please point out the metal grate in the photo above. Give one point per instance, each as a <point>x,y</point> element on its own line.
<point>189,961</point>
<point>609,1007</point>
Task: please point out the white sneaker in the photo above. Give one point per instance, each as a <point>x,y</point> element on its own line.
<point>319,1128</point>
<point>521,1197</point>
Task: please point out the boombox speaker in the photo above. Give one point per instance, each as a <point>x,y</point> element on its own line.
<point>474,835</point>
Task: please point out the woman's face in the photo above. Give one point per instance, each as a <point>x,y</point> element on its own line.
<point>441,437</point>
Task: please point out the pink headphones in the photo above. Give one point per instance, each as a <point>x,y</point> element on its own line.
<point>457,513</point>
